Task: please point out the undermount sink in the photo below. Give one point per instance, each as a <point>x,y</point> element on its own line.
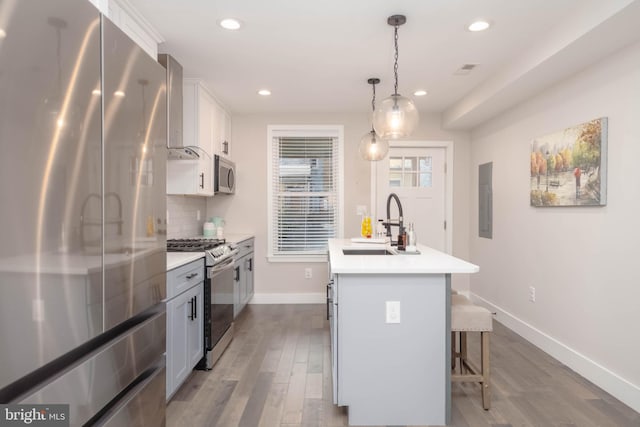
<point>367,252</point>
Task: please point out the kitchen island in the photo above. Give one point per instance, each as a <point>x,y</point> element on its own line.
<point>390,332</point>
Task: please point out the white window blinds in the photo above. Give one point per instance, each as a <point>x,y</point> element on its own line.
<point>305,194</point>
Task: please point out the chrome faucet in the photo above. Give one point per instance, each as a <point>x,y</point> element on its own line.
<point>388,223</point>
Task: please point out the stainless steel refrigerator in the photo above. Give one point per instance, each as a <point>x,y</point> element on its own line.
<point>82,216</point>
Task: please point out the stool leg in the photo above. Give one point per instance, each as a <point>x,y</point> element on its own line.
<point>485,366</point>
<point>463,352</point>
<point>453,350</point>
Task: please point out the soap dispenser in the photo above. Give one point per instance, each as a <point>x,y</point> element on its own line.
<point>411,239</point>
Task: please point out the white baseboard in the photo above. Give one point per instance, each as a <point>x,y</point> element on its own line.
<point>307,298</point>
<point>612,383</point>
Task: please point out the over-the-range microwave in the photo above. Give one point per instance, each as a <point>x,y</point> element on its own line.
<point>224,175</point>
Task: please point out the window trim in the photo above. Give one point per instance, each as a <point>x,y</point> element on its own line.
<point>278,131</point>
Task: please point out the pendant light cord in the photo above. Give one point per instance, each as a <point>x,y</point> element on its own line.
<point>373,100</point>
<point>373,104</point>
<point>395,65</point>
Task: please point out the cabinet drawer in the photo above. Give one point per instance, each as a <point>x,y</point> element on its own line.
<point>245,247</point>
<point>182,278</point>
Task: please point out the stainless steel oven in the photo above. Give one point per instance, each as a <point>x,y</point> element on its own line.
<point>220,279</point>
<point>224,176</point>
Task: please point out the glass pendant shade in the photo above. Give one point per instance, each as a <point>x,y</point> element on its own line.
<point>372,147</point>
<point>395,117</point>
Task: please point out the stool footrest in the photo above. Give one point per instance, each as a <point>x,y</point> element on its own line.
<point>467,378</point>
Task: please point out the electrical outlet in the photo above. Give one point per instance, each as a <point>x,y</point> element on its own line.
<point>393,311</point>
<point>198,215</point>
<point>361,210</point>
<point>532,294</point>
<point>308,273</point>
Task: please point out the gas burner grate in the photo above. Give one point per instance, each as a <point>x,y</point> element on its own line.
<point>192,245</point>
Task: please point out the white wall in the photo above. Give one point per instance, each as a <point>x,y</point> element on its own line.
<point>246,211</point>
<point>581,260</point>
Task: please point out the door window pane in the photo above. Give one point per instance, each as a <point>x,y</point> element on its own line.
<point>425,179</point>
<point>395,163</point>
<point>425,164</point>
<point>395,179</point>
<point>409,180</point>
<point>410,171</point>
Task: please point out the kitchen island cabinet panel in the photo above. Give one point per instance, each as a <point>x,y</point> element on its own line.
<point>391,367</point>
<point>379,376</point>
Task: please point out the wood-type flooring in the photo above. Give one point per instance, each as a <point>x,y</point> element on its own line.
<point>277,373</point>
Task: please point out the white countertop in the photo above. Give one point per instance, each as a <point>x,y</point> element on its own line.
<point>429,261</point>
<point>177,259</point>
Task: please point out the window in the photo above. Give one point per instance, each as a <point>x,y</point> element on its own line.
<point>405,171</point>
<point>305,191</point>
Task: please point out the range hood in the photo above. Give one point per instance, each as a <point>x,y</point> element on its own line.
<point>175,148</point>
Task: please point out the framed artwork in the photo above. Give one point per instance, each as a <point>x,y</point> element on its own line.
<point>569,168</point>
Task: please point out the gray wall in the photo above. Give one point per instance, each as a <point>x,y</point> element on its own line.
<point>581,260</point>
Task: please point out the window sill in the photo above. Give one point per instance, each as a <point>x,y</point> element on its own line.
<point>310,258</point>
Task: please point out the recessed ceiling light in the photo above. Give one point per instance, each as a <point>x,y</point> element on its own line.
<point>119,94</point>
<point>3,33</point>
<point>264,92</point>
<point>230,24</point>
<point>420,93</point>
<point>478,26</point>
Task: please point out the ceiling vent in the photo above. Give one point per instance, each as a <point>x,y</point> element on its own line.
<point>465,69</point>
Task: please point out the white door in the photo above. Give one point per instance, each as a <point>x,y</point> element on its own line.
<point>417,176</point>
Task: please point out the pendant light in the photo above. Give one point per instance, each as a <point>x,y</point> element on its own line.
<point>396,116</point>
<point>372,147</point>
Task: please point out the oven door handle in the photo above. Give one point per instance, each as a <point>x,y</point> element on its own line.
<point>220,267</point>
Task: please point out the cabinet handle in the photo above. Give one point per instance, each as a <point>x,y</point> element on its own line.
<point>191,276</point>
<point>329,300</point>
<point>250,264</point>
<point>202,180</point>
<point>225,150</point>
<point>191,309</point>
<point>237,276</point>
<point>195,307</point>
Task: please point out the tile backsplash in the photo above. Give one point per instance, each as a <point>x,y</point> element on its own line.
<point>183,216</point>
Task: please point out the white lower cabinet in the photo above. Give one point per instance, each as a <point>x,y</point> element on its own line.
<point>185,346</point>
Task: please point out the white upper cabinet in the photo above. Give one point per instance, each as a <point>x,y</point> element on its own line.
<point>195,177</point>
<point>222,129</point>
<point>129,20</point>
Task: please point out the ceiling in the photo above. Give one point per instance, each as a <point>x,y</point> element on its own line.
<point>316,56</point>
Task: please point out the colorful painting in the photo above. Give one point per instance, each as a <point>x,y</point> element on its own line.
<point>569,168</point>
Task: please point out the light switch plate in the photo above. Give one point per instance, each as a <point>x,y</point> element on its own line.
<point>393,311</point>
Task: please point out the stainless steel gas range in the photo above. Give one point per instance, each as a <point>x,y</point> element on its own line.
<point>218,293</point>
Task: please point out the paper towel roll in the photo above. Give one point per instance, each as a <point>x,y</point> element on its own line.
<point>208,230</point>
